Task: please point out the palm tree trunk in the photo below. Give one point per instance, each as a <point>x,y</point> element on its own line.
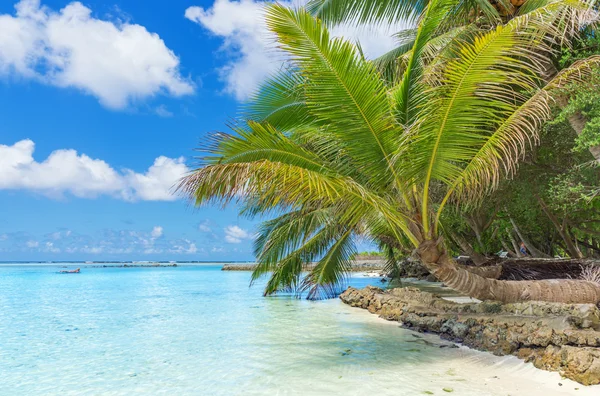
<point>571,247</point>
<point>514,243</point>
<point>435,258</point>
<point>508,250</point>
<point>534,251</point>
<point>466,247</point>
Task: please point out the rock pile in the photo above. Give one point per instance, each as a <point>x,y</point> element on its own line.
<point>553,336</point>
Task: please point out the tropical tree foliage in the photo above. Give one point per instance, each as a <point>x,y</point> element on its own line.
<point>336,148</point>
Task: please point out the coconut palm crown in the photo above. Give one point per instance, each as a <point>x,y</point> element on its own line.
<point>335,149</point>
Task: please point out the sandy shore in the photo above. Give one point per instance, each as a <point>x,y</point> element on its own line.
<point>499,374</point>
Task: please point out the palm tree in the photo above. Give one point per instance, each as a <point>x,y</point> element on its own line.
<point>337,151</point>
<point>464,15</point>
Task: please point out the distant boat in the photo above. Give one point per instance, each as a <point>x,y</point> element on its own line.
<point>75,271</point>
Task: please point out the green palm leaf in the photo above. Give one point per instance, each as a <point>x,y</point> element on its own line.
<point>286,273</point>
<point>326,278</point>
<point>366,11</point>
<point>478,89</point>
<point>343,91</point>
<point>280,101</point>
<point>500,154</point>
<point>409,96</point>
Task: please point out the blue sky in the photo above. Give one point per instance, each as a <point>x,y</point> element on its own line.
<point>102,103</point>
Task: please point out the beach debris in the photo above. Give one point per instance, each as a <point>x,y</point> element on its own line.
<point>449,390</point>
<point>426,342</point>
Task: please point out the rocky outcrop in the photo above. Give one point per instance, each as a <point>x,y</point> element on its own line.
<point>553,336</point>
<point>412,268</point>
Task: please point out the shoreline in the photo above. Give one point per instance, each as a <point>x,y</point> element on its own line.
<point>504,372</point>
<point>560,338</point>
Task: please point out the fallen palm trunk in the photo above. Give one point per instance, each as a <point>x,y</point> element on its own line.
<point>446,270</point>
<point>553,336</point>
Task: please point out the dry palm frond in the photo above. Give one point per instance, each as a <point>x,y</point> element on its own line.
<point>590,273</point>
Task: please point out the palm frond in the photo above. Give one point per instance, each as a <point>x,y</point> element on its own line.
<point>388,64</point>
<point>344,91</point>
<point>275,185</point>
<point>286,273</point>
<point>280,101</point>
<point>366,11</point>
<point>409,95</point>
<point>392,263</point>
<point>392,64</point>
<point>264,142</point>
<point>500,154</point>
<point>480,87</point>
<point>326,278</point>
<point>279,237</point>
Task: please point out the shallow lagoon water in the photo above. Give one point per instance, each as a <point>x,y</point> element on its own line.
<point>201,331</point>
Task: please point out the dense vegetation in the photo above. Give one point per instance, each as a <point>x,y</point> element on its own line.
<point>418,150</point>
<point>553,203</point>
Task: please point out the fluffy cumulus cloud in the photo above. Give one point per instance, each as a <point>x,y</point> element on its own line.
<point>114,61</point>
<point>157,232</point>
<point>236,234</point>
<point>252,56</point>
<point>66,171</point>
<point>157,183</point>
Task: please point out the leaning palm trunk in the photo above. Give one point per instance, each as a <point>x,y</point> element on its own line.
<point>446,270</point>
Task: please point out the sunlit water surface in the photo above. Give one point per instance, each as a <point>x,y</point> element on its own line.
<point>198,330</point>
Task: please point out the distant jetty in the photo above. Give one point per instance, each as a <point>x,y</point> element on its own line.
<point>135,265</point>
<point>359,265</point>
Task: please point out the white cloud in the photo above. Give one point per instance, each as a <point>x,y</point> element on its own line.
<point>235,234</point>
<point>184,246</point>
<point>205,226</point>
<point>192,248</point>
<point>117,62</point>
<point>157,232</point>
<point>162,111</point>
<point>66,171</point>
<point>253,57</point>
<point>32,244</point>
<point>49,247</point>
<point>158,182</point>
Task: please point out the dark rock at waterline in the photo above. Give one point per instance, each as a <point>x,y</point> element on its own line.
<point>412,268</point>
<point>553,336</point>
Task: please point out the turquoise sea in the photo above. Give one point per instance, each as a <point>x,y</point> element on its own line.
<point>196,330</point>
